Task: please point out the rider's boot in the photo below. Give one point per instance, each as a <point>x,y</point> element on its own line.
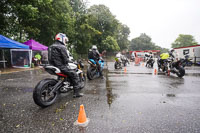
<point>77,93</point>
<point>77,87</point>
<point>101,74</point>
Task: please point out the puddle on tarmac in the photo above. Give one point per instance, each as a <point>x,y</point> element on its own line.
<point>170,95</point>
<point>193,74</point>
<point>122,73</point>
<point>110,95</point>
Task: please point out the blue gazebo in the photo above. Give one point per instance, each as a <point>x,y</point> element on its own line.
<point>6,43</point>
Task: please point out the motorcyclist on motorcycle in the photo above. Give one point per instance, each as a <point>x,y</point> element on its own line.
<point>165,56</point>
<point>172,53</point>
<point>95,55</point>
<point>124,60</point>
<point>119,56</point>
<point>149,58</point>
<point>58,57</point>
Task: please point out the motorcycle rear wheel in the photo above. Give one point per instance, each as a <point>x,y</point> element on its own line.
<point>181,72</point>
<point>41,93</point>
<point>82,80</point>
<point>117,65</point>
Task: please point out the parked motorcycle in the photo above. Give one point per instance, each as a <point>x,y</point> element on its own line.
<point>92,71</point>
<point>188,62</point>
<point>118,63</point>
<point>47,90</point>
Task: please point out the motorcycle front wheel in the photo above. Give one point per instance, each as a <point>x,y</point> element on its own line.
<point>91,73</point>
<point>41,93</point>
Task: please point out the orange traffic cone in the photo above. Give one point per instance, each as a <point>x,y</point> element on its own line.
<point>155,71</point>
<point>142,64</point>
<point>125,70</point>
<point>82,119</point>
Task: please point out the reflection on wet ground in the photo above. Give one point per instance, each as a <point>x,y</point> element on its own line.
<point>150,73</point>
<point>193,74</point>
<point>170,95</point>
<point>11,70</point>
<point>109,90</point>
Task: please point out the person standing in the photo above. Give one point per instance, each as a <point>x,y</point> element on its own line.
<point>38,58</point>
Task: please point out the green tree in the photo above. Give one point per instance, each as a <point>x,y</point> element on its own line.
<point>102,20</point>
<point>110,44</point>
<point>183,41</point>
<point>122,37</point>
<point>17,17</point>
<point>143,42</point>
<point>38,19</point>
<point>43,19</point>
<point>84,32</point>
<point>84,38</point>
<point>3,19</point>
<point>56,16</point>
<point>78,6</point>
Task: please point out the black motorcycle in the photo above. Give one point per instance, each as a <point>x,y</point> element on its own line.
<point>125,61</point>
<point>92,71</point>
<point>47,90</point>
<point>162,64</point>
<point>150,61</point>
<point>118,64</point>
<point>177,67</point>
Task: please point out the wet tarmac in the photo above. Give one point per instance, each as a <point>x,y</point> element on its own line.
<point>131,101</point>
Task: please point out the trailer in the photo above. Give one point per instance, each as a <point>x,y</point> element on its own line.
<point>197,55</point>
<point>192,51</point>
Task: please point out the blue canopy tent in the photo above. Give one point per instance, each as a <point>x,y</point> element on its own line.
<point>9,43</point>
<point>6,43</point>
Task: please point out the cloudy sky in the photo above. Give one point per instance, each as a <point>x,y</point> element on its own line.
<point>162,20</point>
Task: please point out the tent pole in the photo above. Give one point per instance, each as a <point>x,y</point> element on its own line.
<point>4,65</point>
<point>30,58</point>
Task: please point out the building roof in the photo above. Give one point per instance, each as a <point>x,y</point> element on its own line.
<point>188,47</point>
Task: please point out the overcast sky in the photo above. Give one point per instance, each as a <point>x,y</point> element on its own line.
<point>162,20</point>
